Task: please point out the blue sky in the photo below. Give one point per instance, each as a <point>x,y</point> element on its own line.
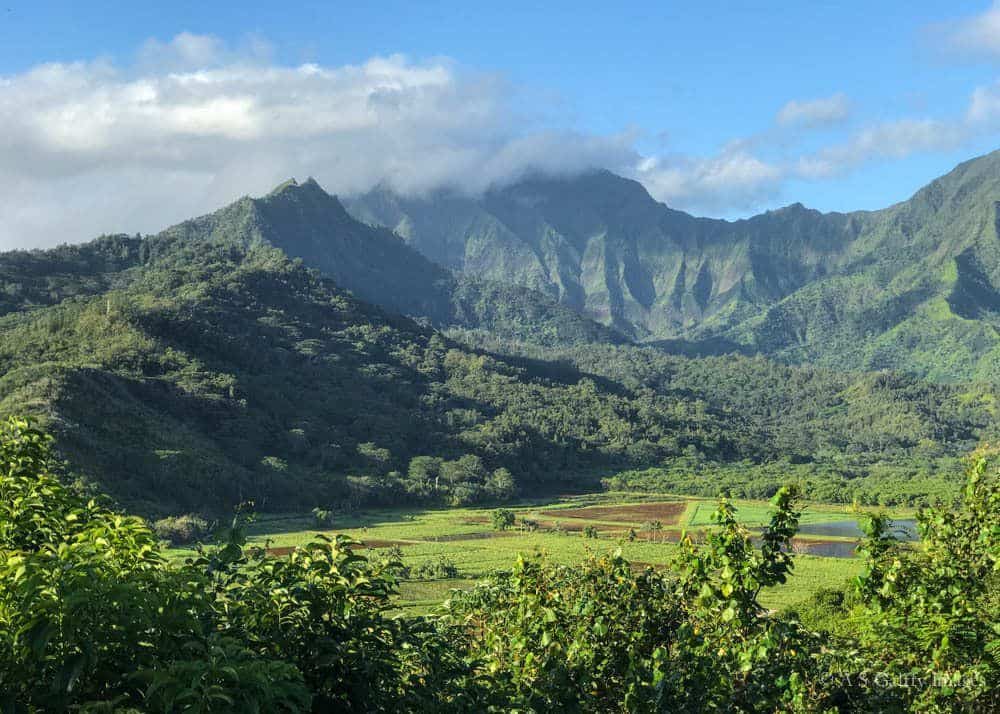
<point>721,108</point>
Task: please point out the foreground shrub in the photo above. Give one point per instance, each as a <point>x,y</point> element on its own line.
<point>732,655</point>
<point>593,637</point>
<point>92,616</point>
<point>932,609</point>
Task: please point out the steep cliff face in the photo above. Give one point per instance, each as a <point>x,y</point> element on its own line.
<point>916,290</point>
<point>837,289</point>
<point>600,244</point>
<point>307,223</point>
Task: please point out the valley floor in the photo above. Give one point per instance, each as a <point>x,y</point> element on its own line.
<point>565,531</point>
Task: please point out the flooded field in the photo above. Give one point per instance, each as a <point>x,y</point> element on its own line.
<point>903,529</point>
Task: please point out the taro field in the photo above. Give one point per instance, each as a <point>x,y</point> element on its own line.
<point>446,549</point>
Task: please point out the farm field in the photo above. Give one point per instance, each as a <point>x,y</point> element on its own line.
<point>555,530</point>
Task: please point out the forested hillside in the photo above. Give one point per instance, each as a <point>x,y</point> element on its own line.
<point>914,287</point>
<point>219,371</point>
<point>211,364</point>
<point>222,372</point>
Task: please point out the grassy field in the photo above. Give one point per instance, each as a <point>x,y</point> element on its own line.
<point>465,537</point>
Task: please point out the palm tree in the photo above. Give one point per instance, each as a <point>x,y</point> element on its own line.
<point>652,527</point>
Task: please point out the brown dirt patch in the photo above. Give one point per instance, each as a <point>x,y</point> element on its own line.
<point>567,526</point>
<point>667,513</point>
<point>379,543</point>
<point>367,543</point>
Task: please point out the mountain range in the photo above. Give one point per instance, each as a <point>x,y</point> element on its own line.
<point>281,350</point>
<point>914,287</point>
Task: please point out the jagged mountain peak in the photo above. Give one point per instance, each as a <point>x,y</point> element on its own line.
<point>284,185</point>
<point>304,221</point>
<point>793,281</point>
<point>308,192</point>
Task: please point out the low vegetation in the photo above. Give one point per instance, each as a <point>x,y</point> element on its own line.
<point>182,530</point>
<point>93,617</point>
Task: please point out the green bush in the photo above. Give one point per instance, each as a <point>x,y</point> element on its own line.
<point>502,519</point>
<point>181,530</point>
<point>322,517</point>
<point>94,618</point>
<point>441,568</point>
<point>934,608</point>
<point>592,638</point>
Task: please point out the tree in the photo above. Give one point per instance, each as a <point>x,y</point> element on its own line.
<point>424,472</point>
<point>502,519</point>
<point>653,528</point>
<point>467,469</point>
<point>181,530</point>
<point>933,609</point>
<point>501,485</point>
<point>322,517</point>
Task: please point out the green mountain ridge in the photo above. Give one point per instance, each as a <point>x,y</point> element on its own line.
<point>309,224</point>
<point>211,364</point>
<point>224,371</point>
<point>913,287</point>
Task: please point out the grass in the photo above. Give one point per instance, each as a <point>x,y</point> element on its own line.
<point>757,513</point>
<point>465,537</point>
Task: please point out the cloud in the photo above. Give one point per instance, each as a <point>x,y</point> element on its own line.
<point>815,113</point>
<point>91,147</point>
<point>732,180</point>
<point>192,124</point>
<point>887,140</point>
<point>905,137</point>
<point>984,107</point>
<point>978,35</point>
<point>738,179</point>
<point>184,51</point>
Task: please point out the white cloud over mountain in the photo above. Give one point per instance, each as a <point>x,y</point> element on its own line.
<point>92,147</point>
<point>734,177</point>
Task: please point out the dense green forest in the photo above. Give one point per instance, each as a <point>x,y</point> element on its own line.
<point>221,372</point>
<point>213,371</point>
<point>94,618</point>
<point>879,438</point>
